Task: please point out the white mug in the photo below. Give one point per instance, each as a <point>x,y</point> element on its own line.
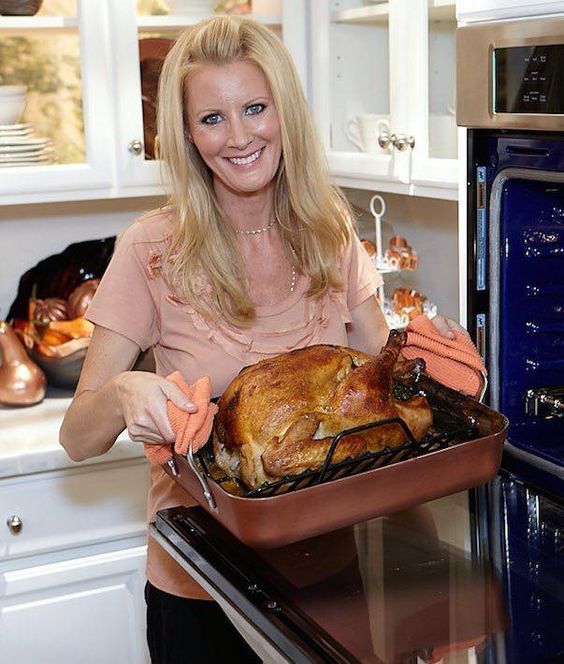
<point>364,129</point>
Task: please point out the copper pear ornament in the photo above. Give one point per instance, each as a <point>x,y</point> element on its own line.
<point>22,383</point>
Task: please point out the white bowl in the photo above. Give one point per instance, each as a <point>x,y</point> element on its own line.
<point>11,109</point>
<point>12,90</point>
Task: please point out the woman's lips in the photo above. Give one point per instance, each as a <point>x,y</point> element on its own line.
<point>246,161</point>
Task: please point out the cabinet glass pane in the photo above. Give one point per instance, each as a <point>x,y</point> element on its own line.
<point>48,65</point>
<point>442,81</point>
<point>359,75</point>
<point>200,7</point>
<point>153,48</point>
<point>58,8</point>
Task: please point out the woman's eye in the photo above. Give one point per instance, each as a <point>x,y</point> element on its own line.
<point>211,119</point>
<point>255,109</point>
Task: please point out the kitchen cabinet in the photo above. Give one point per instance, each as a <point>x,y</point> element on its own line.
<point>469,11</point>
<point>83,70</point>
<point>64,62</point>
<point>72,559</point>
<point>385,72</point>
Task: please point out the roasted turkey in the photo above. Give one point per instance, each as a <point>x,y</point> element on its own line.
<point>278,416</point>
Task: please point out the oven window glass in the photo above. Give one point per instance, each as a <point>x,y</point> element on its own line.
<point>529,79</point>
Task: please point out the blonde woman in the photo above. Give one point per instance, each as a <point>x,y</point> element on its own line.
<point>253,256</point>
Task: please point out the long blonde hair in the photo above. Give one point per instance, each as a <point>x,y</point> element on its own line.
<point>313,215</point>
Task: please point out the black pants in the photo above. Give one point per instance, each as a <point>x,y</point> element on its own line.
<point>191,630</point>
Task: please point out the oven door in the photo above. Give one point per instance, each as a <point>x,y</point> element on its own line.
<point>516,288</point>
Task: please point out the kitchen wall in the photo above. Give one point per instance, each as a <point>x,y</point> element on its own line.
<point>29,233</point>
<point>430,226</point>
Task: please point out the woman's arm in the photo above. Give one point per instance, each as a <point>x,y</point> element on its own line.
<point>368,331</point>
<point>109,397</point>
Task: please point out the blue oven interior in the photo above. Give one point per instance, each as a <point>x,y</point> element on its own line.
<point>517,276</point>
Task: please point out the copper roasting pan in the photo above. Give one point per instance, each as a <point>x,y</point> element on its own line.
<point>273,521</point>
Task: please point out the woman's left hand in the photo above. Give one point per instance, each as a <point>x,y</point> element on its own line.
<point>447,327</point>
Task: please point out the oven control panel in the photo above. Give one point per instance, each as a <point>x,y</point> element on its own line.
<point>529,79</point>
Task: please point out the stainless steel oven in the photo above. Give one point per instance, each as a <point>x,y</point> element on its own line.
<point>510,95</point>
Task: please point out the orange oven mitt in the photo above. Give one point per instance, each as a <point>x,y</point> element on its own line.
<point>453,362</point>
<point>189,428</point>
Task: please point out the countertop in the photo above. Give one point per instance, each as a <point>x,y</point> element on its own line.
<point>29,439</point>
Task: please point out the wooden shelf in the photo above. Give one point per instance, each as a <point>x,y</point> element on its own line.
<point>369,15</point>
<point>37,23</point>
<point>439,10</point>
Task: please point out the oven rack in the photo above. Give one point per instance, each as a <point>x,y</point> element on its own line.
<point>447,430</point>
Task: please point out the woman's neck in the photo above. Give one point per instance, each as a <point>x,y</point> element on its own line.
<point>246,211</point>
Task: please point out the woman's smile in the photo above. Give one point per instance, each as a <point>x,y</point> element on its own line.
<point>246,161</point>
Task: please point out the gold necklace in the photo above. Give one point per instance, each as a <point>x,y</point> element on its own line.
<point>255,231</point>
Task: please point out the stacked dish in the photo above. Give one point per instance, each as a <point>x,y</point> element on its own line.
<point>20,147</point>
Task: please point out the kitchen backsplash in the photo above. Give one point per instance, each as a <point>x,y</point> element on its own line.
<point>430,227</point>
<point>29,233</point>
<point>32,232</point>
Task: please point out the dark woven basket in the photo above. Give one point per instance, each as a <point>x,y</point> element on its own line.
<point>20,7</point>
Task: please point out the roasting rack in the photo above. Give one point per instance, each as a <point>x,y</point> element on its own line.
<point>447,430</point>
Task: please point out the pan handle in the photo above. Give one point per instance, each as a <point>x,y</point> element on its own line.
<point>201,478</point>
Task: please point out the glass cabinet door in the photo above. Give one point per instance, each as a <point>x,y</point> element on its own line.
<point>54,123</point>
<point>433,102</point>
<point>353,98</point>
<point>148,28</point>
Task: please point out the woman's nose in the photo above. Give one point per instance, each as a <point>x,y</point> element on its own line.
<point>239,136</point>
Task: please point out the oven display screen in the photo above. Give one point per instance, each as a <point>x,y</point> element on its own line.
<point>529,79</point>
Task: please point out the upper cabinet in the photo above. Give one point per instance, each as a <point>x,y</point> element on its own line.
<point>59,142</point>
<point>383,91</point>
<point>379,77</point>
<point>90,69</point>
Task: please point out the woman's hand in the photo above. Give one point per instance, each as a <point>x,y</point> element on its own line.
<point>143,398</point>
<point>447,327</point>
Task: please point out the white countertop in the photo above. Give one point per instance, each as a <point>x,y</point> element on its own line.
<point>29,440</point>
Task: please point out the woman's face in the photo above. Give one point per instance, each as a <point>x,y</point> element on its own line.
<point>234,124</point>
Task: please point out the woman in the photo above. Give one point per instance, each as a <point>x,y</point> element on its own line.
<point>254,256</point>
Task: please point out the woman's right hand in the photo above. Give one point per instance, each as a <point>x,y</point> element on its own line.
<point>143,397</point>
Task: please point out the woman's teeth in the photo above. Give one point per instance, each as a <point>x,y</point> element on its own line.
<point>246,160</point>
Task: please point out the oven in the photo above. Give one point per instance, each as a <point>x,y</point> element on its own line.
<point>510,95</point>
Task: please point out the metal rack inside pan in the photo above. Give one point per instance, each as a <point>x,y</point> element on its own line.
<point>449,428</point>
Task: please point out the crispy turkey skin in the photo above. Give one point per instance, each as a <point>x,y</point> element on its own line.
<point>278,416</point>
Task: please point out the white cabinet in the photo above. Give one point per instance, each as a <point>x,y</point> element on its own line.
<point>72,577</point>
<point>468,11</point>
<point>383,93</point>
<point>83,610</point>
<point>81,61</point>
<point>68,96</point>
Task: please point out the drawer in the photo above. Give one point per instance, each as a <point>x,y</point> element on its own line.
<point>73,507</point>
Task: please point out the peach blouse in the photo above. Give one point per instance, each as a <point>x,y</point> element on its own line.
<point>134,300</point>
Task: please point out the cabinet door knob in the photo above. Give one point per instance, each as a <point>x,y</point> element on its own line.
<point>399,141</point>
<point>384,139</point>
<point>15,524</point>
<point>402,142</point>
<point>135,147</point>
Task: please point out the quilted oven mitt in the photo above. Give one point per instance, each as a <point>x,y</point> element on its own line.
<point>189,428</point>
<point>453,362</point>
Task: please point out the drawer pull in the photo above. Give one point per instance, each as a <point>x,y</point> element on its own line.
<point>15,524</point>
